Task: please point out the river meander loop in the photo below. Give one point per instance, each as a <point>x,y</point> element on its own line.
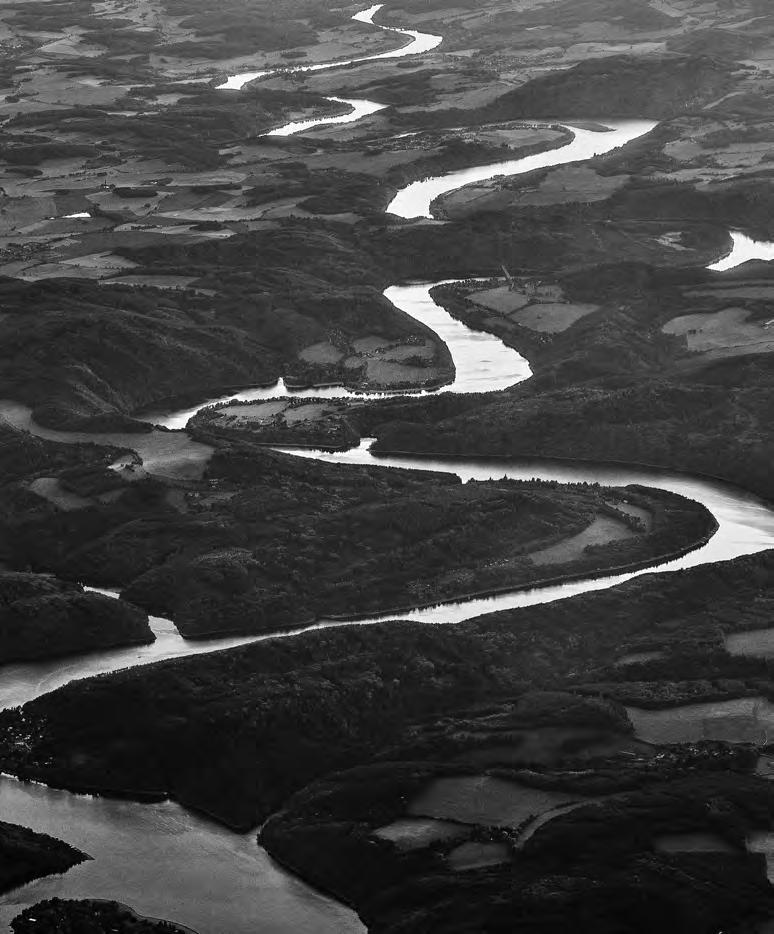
<point>165,861</point>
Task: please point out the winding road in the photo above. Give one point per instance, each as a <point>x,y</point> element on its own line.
<point>167,862</point>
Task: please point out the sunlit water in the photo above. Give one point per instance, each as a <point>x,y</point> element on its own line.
<point>245,892</point>
<point>160,858</point>
<point>744,249</point>
<point>23,682</point>
<point>483,363</point>
<point>166,453</point>
<point>198,856</point>
<point>167,862</point>
<point>745,523</point>
<point>417,43</point>
<point>360,109</point>
<point>415,199</point>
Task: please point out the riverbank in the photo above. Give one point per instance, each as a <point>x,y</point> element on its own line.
<point>682,404</point>
<point>238,732</point>
<point>540,583</point>
<point>42,617</point>
<point>613,623</point>
<point>25,856</point>
<point>98,915</point>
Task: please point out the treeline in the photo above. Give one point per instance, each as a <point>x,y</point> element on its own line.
<point>189,134</point>
<point>234,733</point>
<point>613,387</point>
<point>269,541</point>
<point>601,863</point>
<point>239,27</point>
<point>696,428</point>
<point>68,916</point>
<point>277,293</point>
<point>615,86</point>
<point>25,855</point>
<point>42,617</point>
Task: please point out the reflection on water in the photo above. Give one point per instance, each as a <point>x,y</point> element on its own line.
<point>417,42</point>
<point>243,890</point>
<point>159,858</point>
<point>745,523</point>
<point>744,249</point>
<point>360,109</point>
<point>24,682</point>
<point>166,453</point>
<point>483,363</point>
<point>415,199</point>
<point>167,863</point>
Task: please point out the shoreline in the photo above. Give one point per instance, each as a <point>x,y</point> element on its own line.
<point>159,795</point>
<point>656,469</point>
<point>709,525</point>
<point>333,620</point>
<point>273,71</point>
<point>135,914</point>
<point>542,583</point>
<point>63,656</point>
<point>184,399</point>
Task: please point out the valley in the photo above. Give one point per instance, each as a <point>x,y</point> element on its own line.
<point>323,326</point>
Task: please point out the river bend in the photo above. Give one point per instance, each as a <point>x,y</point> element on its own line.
<point>167,862</point>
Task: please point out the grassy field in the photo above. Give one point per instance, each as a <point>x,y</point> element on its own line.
<point>726,333</point>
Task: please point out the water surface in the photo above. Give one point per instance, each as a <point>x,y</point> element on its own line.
<point>417,43</point>
<point>415,199</point>
<point>167,862</point>
<point>744,249</point>
<point>358,109</point>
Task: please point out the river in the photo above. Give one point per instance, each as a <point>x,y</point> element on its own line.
<point>414,200</point>
<point>358,109</point>
<point>167,862</point>
<point>417,42</point>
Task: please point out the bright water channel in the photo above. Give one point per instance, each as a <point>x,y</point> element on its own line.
<point>167,862</point>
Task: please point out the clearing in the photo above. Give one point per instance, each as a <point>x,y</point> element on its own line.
<point>726,333</point>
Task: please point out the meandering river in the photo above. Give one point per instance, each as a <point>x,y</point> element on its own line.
<point>167,862</point>
<point>416,43</point>
<point>359,109</point>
